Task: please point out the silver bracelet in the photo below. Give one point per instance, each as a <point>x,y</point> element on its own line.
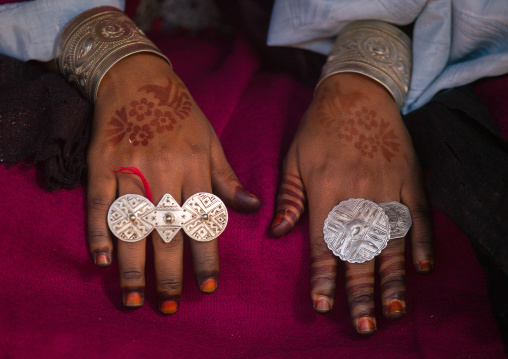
<point>375,49</point>
<point>93,42</point>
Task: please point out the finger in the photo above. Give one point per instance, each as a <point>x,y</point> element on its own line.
<point>205,254</point>
<point>290,200</point>
<point>360,294</point>
<point>168,257</point>
<point>131,255</point>
<point>323,262</point>
<point>392,275</point>
<point>413,196</point>
<point>101,194</point>
<point>227,186</point>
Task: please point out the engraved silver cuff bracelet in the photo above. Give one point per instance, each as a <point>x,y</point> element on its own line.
<point>93,42</point>
<point>357,230</point>
<point>377,50</point>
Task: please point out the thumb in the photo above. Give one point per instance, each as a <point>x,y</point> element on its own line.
<point>226,185</point>
<point>290,201</point>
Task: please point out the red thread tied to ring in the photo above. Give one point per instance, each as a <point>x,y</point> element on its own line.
<point>135,171</point>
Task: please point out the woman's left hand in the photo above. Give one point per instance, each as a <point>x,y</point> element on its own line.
<point>352,143</point>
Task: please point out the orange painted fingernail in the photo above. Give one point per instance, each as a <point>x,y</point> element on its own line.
<point>425,265</point>
<point>322,304</point>
<point>133,299</point>
<point>209,285</point>
<point>395,306</point>
<point>277,220</point>
<point>102,260</point>
<point>168,307</point>
<point>366,326</point>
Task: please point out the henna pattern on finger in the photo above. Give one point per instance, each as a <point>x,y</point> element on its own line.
<point>393,291</point>
<point>290,201</point>
<point>360,291</point>
<point>155,113</point>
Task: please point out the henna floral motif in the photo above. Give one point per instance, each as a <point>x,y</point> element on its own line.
<point>140,109</point>
<point>163,121</point>
<point>172,96</point>
<point>119,126</point>
<point>158,112</point>
<point>369,134</point>
<point>140,135</point>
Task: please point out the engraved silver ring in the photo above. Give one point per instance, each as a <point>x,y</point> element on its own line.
<point>132,217</point>
<point>357,230</point>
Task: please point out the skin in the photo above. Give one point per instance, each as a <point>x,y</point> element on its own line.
<point>146,118</point>
<point>352,143</point>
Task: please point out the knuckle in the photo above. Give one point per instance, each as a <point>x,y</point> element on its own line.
<point>131,274</point>
<point>96,236</point>
<point>423,241</point>
<point>98,204</point>
<point>394,283</point>
<point>208,261</point>
<point>421,212</point>
<point>171,285</point>
<point>361,299</point>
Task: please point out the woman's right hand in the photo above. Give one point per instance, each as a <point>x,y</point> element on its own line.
<point>145,118</point>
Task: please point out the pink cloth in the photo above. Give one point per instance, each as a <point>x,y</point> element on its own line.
<point>57,304</point>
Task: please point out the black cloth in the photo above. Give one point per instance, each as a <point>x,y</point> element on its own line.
<point>44,120</point>
<point>466,164</point>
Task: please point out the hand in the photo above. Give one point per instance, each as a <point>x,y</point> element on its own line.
<point>352,143</point>
<point>145,118</point>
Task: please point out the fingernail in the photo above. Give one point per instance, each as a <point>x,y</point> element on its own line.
<point>133,299</point>
<point>101,259</point>
<point>425,265</point>
<point>209,285</point>
<point>366,326</point>
<point>168,307</point>
<point>395,307</point>
<point>277,220</point>
<point>246,200</point>
<point>322,304</point>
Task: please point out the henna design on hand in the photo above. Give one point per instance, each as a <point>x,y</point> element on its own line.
<point>141,135</point>
<point>141,109</point>
<point>368,133</point>
<point>163,121</point>
<point>118,126</point>
<point>173,103</point>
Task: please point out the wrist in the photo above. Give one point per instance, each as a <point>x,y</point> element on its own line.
<point>132,72</point>
<point>355,86</point>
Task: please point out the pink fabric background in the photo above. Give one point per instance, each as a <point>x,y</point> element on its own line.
<point>56,304</point>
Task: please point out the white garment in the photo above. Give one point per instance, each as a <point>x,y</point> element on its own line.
<point>29,29</point>
<point>455,42</point>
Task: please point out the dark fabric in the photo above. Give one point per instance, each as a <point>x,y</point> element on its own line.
<point>44,119</point>
<point>466,161</point>
<point>253,18</point>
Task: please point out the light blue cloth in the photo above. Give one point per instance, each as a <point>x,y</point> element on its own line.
<point>29,29</point>
<point>455,42</point>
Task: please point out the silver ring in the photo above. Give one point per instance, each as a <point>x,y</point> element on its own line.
<point>132,217</point>
<point>357,230</point>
